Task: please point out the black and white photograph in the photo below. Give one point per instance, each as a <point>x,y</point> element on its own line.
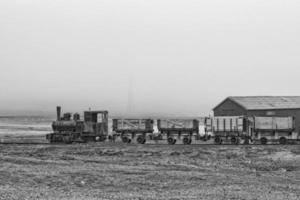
<point>149,100</point>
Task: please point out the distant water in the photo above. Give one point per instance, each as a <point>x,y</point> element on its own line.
<point>25,125</point>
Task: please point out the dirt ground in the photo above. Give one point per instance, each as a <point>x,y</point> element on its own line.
<point>119,171</point>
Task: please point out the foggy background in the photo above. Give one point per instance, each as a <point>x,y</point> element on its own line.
<point>145,58</point>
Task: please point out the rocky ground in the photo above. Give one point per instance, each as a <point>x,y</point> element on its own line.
<point>119,171</point>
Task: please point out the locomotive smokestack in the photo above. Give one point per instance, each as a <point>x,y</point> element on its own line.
<point>58,113</point>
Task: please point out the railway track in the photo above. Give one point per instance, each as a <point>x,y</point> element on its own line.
<point>148,144</point>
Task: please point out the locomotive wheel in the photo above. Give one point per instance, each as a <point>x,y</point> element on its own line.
<point>218,140</point>
<point>52,140</point>
<point>125,139</point>
<point>67,139</point>
<point>88,139</point>
<point>186,140</point>
<point>263,140</point>
<point>171,141</point>
<point>282,140</point>
<point>141,140</point>
<point>234,140</point>
<point>91,139</point>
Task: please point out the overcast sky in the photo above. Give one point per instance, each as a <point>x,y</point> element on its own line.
<point>146,57</point>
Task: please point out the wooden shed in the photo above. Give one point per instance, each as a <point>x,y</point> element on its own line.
<point>282,106</point>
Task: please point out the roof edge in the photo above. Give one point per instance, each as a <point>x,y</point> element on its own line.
<point>273,109</point>
<point>229,98</point>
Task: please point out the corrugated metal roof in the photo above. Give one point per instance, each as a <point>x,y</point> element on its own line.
<point>267,102</point>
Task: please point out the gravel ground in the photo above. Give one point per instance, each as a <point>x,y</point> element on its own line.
<point>119,171</point>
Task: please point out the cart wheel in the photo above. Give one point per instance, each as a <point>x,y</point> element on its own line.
<point>234,140</point>
<point>141,140</point>
<point>186,140</point>
<point>282,140</point>
<point>171,141</point>
<point>263,140</point>
<point>125,139</point>
<point>218,140</point>
<point>67,139</point>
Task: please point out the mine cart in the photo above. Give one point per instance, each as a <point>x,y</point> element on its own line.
<point>130,129</point>
<point>94,127</point>
<point>233,129</point>
<point>175,129</point>
<point>273,129</point>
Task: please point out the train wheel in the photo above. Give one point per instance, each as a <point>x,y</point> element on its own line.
<point>263,140</point>
<point>186,140</point>
<point>141,140</point>
<point>218,140</point>
<point>282,140</point>
<point>234,140</point>
<point>125,139</point>
<point>171,141</point>
<point>52,140</point>
<point>67,139</point>
<point>89,139</point>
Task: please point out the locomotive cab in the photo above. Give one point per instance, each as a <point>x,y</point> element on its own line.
<point>95,125</point>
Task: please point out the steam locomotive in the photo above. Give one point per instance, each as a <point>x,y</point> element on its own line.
<point>94,127</point>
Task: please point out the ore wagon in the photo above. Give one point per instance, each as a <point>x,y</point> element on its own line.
<point>133,128</point>
<point>273,129</point>
<point>233,129</point>
<point>175,129</point>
